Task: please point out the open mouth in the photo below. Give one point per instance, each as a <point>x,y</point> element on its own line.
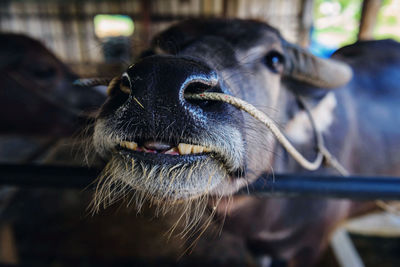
<point>166,169</point>
<point>155,147</point>
<point>159,170</point>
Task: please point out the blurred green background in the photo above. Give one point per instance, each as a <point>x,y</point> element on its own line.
<point>336,22</point>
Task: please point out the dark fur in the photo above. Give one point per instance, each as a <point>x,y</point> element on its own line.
<point>363,136</point>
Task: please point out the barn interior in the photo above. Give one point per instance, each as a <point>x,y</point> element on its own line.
<point>53,226</point>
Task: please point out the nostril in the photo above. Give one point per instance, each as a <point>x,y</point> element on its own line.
<point>198,87</point>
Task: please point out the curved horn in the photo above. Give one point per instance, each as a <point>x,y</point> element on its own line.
<point>323,73</point>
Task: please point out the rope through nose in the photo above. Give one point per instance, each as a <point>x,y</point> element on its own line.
<point>323,153</point>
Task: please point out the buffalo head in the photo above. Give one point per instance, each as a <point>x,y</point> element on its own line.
<point>37,95</point>
<point>167,148</point>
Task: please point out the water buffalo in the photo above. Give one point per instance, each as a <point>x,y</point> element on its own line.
<point>37,95</point>
<point>172,151</point>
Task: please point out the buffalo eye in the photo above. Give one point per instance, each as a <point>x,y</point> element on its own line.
<point>274,61</point>
<point>119,86</point>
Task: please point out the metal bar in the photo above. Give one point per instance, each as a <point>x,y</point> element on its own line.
<point>352,187</point>
<point>278,185</point>
<point>34,176</point>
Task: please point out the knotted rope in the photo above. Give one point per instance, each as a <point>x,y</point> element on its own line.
<point>323,155</point>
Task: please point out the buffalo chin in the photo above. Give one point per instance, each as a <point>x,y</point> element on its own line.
<point>158,178</point>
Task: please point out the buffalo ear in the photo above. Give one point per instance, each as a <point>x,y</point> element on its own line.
<point>301,65</point>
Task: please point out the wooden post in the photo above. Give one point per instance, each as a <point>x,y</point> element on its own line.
<point>230,8</point>
<point>146,21</point>
<point>370,9</point>
<point>305,22</point>
<point>8,249</point>
<point>224,8</point>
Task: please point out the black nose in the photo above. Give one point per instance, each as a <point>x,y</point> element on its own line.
<point>161,82</point>
<point>155,112</point>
